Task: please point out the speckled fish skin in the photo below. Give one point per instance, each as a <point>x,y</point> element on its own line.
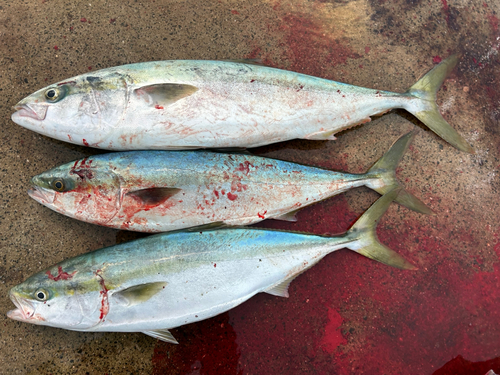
<point>215,104</point>
<point>171,279</point>
<point>159,191</point>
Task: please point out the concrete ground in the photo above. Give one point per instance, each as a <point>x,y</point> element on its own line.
<point>347,314</point>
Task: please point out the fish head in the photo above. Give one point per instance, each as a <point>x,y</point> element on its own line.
<point>79,110</point>
<point>61,296</point>
<point>85,190</point>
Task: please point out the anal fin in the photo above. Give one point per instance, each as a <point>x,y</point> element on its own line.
<point>289,216</point>
<point>322,136</point>
<point>162,334</point>
<point>281,290</point>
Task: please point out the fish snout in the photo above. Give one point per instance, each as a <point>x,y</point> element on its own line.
<point>24,311</point>
<point>42,195</point>
<point>31,110</point>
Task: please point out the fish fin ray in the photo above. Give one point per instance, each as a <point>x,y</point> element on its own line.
<point>322,136</point>
<point>162,334</point>
<point>363,238</point>
<point>164,94</point>
<point>281,290</point>
<point>385,170</point>
<point>137,294</point>
<point>426,89</point>
<point>289,216</point>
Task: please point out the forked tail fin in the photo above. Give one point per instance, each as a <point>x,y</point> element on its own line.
<point>364,236</point>
<point>427,110</point>
<point>384,170</point>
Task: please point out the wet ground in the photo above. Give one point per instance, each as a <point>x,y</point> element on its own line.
<point>347,314</point>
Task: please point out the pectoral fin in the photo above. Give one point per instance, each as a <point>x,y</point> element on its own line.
<point>164,94</point>
<point>138,293</point>
<point>162,334</point>
<point>153,197</point>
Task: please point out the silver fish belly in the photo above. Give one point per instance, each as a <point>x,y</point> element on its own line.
<point>214,104</point>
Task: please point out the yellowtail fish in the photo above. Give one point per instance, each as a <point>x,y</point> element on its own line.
<point>167,280</point>
<point>216,104</point>
<point>159,191</point>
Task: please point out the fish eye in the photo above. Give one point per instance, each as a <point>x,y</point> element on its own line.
<point>41,295</point>
<point>52,94</point>
<point>58,185</point>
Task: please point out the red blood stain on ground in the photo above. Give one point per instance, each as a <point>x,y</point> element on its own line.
<point>461,366</point>
<point>83,19</point>
<point>231,196</point>
<point>158,106</point>
<point>60,275</point>
<point>493,20</point>
<point>208,348</point>
<point>436,59</point>
<point>309,50</point>
<point>333,336</point>
<point>309,47</point>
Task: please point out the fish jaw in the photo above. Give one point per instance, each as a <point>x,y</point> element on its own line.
<point>42,195</point>
<point>25,311</point>
<point>33,111</point>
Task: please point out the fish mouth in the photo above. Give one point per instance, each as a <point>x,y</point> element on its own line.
<point>42,195</point>
<point>25,311</point>
<point>34,111</point>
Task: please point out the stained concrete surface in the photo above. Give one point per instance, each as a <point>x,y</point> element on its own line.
<point>347,314</point>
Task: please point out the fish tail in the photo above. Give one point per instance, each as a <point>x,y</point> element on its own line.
<point>426,109</point>
<point>384,172</point>
<point>364,238</point>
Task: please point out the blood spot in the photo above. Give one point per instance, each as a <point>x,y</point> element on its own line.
<point>60,275</point>
<point>85,142</point>
<point>231,196</point>
<point>436,59</point>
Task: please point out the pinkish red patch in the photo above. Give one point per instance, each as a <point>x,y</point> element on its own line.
<point>60,275</point>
